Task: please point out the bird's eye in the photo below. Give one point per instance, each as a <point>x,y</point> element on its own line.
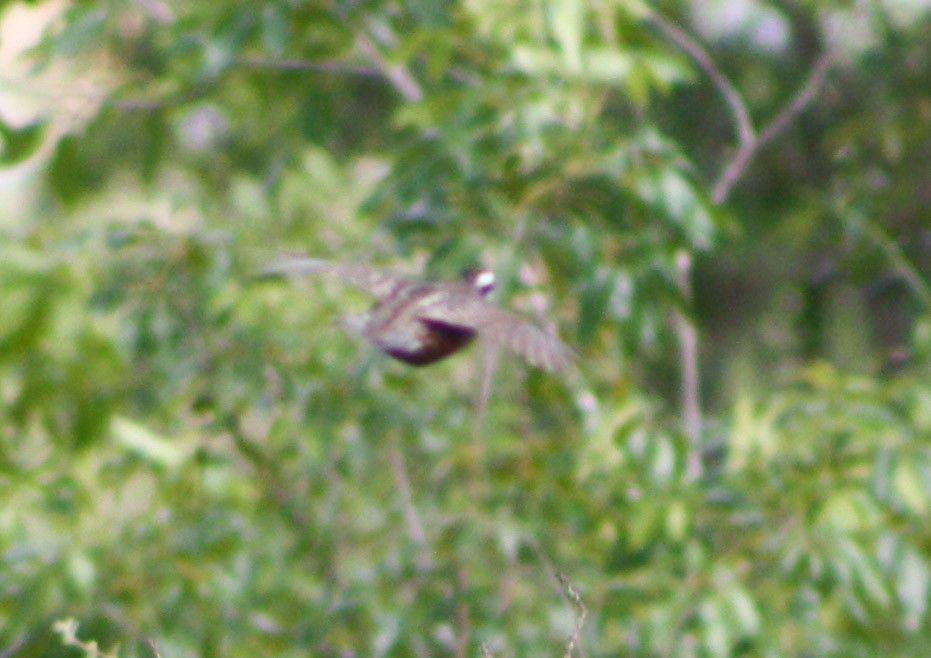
<point>485,281</point>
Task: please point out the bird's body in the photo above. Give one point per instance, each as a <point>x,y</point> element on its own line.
<point>421,322</point>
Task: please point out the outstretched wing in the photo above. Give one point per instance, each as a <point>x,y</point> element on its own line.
<point>506,330</point>
<point>377,282</point>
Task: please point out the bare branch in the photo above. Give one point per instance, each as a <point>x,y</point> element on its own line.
<point>415,528</point>
<point>15,646</point>
<point>580,613</point>
<point>489,361</point>
<point>685,328</point>
<point>749,142</point>
<point>462,616</point>
<point>398,76</point>
<point>688,351</point>
<point>150,645</point>
<point>738,108</point>
<point>268,470</point>
<point>738,164</point>
<point>800,101</point>
<point>569,595</point>
<point>905,269</point>
<point>307,65</point>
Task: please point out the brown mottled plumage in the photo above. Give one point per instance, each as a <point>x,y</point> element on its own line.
<point>420,322</point>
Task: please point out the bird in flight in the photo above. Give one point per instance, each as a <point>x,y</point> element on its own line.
<point>420,322</point>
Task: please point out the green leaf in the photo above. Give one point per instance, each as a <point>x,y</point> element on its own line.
<point>607,65</point>
<point>566,20</point>
<point>17,144</point>
<point>593,303</point>
<point>913,587</point>
<point>275,30</point>
<point>744,611</point>
<point>716,633</point>
<point>675,197</point>
<point>153,447</point>
<point>678,520</point>
<point>82,30</point>
<point>910,488</point>
<point>70,173</point>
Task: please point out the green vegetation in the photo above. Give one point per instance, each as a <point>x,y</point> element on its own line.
<point>723,206</point>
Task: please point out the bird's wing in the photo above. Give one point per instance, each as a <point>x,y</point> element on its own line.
<point>377,282</point>
<point>507,330</point>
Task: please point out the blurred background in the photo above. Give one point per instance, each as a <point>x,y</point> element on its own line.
<point>722,206</point>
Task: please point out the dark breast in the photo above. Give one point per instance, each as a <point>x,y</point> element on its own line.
<point>435,342</point>
<point>425,340</point>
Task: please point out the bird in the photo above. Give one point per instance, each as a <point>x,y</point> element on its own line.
<point>420,322</point>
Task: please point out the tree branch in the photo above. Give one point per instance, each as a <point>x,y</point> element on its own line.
<point>687,334</point>
<point>905,269</point>
<point>745,131</point>
<point>415,529</point>
<point>580,613</point>
<point>748,143</point>
<point>398,76</point>
<point>741,159</point>
<point>294,64</point>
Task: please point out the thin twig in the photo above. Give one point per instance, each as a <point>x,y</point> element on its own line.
<point>800,101</point>
<point>745,152</point>
<point>14,646</point>
<point>749,141</point>
<point>397,75</point>
<point>745,131</point>
<point>900,262</point>
<point>150,644</point>
<point>268,470</point>
<point>293,64</point>
<point>415,528</point>
<point>489,361</point>
<point>580,613</point>
<point>462,615</point>
<point>567,592</point>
